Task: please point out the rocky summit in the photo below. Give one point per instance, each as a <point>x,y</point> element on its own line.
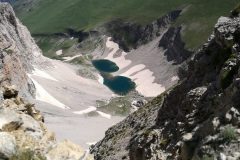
<point>23,135</point>
<point>197,119</point>
<point>18,52</point>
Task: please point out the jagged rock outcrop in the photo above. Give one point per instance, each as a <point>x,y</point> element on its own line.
<point>18,52</point>
<point>23,135</point>
<point>131,35</point>
<point>173,45</point>
<point>197,119</point>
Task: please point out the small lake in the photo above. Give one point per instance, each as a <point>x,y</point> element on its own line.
<point>118,84</point>
<point>104,65</point>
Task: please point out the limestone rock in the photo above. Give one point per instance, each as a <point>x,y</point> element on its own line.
<point>18,52</point>
<point>9,120</point>
<point>25,134</point>
<point>22,131</point>
<point>7,145</point>
<point>31,126</point>
<point>66,150</point>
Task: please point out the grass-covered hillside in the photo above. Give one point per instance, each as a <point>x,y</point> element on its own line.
<point>51,16</point>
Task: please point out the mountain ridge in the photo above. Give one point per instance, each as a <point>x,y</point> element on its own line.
<point>196,119</point>
<point>94,14</point>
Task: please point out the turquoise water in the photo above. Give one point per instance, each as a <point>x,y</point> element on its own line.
<point>104,65</point>
<point>118,84</point>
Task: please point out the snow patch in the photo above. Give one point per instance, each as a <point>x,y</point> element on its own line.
<point>121,61</point>
<point>91,143</point>
<point>43,95</point>
<point>42,74</point>
<point>85,111</point>
<point>105,115</point>
<point>174,78</point>
<point>59,52</point>
<point>144,80</point>
<point>142,76</point>
<point>67,59</point>
<point>100,79</point>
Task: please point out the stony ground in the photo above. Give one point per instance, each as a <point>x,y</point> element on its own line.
<point>24,135</point>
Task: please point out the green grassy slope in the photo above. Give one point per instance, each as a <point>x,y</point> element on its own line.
<point>51,16</point>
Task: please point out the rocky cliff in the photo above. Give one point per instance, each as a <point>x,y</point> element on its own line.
<point>18,52</point>
<point>23,135</point>
<point>131,35</point>
<point>173,45</point>
<point>197,119</point>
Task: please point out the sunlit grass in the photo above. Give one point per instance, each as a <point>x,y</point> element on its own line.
<point>51,16</point>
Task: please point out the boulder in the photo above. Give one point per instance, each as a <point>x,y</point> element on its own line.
<point>7,145</point>
<point>138,103</point>
<point>67,150</point>
<point>9,120</point>
<point>31,126</point>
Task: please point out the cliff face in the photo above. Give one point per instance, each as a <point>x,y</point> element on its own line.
<point>131,35</point>
<point>23,135</point>
<point>197,119</point>
<point>18,51</point>
<point>173,45</point>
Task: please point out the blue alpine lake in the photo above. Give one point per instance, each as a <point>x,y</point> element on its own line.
<point>118,84</point>
<point>104,65</point>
